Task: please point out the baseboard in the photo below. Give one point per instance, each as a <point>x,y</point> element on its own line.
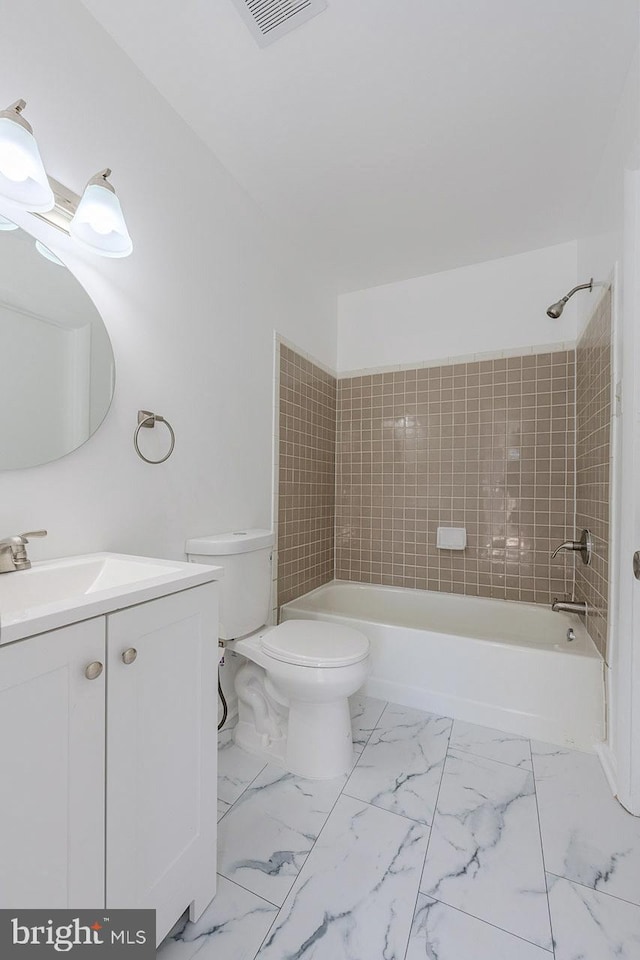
<point>609,765</point>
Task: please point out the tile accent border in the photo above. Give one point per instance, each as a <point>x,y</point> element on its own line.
<point>461,358</point>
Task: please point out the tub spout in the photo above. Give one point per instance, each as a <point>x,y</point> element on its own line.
<point>569,606</point>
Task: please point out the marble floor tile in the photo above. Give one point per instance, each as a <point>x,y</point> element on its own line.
<point>236,767</point>
<point>440,932</point>
<point>365,713</point>
<point>401,766</point>
<point>347,868</point>
<point>355,894</point>
<point>588,925</point>
<point>267,834</point>
<point>485,855</point>
<point>232,928</point>
<point>492,744</point>
<point>586,835</point>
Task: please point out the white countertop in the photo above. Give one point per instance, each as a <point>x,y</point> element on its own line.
<point>55,593</point>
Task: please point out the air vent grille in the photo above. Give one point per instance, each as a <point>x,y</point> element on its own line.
<point>268,20</point>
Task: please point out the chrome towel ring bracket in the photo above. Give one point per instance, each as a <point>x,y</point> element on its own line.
<point>148,419</point>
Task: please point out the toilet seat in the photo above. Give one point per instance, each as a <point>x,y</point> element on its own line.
<point>314,643</point>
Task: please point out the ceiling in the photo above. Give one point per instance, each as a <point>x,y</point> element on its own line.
<point>395,138</point>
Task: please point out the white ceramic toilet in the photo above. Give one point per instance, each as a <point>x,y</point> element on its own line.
<point>293,690</point>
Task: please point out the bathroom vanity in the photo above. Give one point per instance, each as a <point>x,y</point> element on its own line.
<point>108,735</point>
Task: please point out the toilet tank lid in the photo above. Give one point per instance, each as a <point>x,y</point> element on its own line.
<point>235,541</point>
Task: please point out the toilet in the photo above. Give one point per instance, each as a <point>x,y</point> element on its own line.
<point>294,686</point>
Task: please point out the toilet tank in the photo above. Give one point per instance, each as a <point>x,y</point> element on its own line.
<point>245,588</point>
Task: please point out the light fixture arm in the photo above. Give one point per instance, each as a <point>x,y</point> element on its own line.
<point>100,179</point>
<point>14,112</point>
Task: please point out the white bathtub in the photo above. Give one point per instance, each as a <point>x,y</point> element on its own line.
<point>493,662</point>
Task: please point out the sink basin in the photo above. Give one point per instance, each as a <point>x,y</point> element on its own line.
<point>57,592</point>
<point>55,582</point>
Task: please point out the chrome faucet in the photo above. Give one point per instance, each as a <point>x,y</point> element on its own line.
<point>13,551</point>
<point>584,546</point>
<point>569,606</point>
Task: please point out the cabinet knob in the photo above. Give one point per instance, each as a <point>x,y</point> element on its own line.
<point>93,670</point>
<point>129,655</point>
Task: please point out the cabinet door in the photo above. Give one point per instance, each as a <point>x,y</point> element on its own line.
<point>161,755</point>
<point>52,770</point>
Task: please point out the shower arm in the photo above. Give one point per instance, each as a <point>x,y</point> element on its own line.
<point>581,286</point>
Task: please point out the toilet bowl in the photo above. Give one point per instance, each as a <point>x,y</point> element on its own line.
<point>293,695</point>
<point>293,689</point>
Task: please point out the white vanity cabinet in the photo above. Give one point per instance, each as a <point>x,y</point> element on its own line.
<point>52,756</point>
<point>108,776</point>
<point>162,710</point>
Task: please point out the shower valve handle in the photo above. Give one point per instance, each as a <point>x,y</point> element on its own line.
<point>583,546</point>
<point>567,545</point>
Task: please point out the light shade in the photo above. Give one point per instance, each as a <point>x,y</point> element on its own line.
<point>98,223</point>
<point>23,179</point>
<point>48,254</point>
<point>6,224</point>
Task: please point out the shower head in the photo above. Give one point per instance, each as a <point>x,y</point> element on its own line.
<point>555,310</point>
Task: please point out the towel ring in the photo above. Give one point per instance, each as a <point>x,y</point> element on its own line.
<point>149,420</point>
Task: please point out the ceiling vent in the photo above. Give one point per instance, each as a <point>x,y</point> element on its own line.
<point>268,20</point>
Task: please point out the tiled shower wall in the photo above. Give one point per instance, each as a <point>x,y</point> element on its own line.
<point>487,445</point>
<point>593,422</point>
<point>306,475</point>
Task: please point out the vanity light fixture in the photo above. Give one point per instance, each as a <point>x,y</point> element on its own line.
<point>98,223</point>
<point>23,179</point>
<point>94,220</point>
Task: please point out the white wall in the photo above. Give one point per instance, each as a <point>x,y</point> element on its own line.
<point>600,247</point>
<point>492,306</point>
<point>191,313</point>
<point>609,251</point>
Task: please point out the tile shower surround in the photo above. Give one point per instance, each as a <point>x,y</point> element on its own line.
<point>593,426</point>
<point>488,445</point>
<point>306,475</point>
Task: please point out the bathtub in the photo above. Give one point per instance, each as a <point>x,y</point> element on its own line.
<point>493,662</point>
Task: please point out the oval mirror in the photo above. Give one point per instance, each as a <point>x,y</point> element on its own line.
<point>56,360</point>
